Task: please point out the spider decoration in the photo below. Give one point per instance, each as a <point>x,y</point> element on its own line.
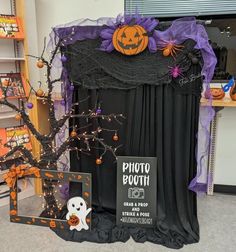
<point>176,71</point>
<point>170,48</point>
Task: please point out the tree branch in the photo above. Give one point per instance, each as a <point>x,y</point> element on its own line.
<point>25,118</point>
<point>25,152</point>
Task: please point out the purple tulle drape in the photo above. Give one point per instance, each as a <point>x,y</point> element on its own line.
<point>179,31</point>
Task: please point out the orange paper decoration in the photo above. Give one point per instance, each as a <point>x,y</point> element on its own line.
<point>130,39</point>
<point>73,221</point>
<point>19,171</point>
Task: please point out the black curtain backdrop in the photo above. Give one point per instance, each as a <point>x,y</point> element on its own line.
<point>159,122</point>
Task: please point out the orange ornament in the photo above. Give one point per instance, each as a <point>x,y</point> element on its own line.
<point>98,161</point>
<point>13,212</point>
<point>115,137</point>
<point>73,221</point>
<point>215,93</point>
<point>40,64</point>
<point>233,93</point>
<point>130,39</point>
<point>18,117</point>
<point>40,92</point>
<point>86,194</point>
<point>52,224</point>
<point>73,133</point>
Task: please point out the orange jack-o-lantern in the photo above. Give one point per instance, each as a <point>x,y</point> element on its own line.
<point>215,93</point>
<point>52,224</point>
<point>130,39</point>
<point>73,221</point>
<point>233,92</point>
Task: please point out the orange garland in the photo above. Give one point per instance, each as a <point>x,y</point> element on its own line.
<point>19,171</point>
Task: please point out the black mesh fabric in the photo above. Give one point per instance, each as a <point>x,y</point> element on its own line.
<point>94,69</point>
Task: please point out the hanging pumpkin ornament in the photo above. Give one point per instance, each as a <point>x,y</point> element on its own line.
<point>130,39</point>
<point>40,63</point>
<point>98,161</point>
<point>18,117</point>
<point>40,92</point>
<point>115,137</point>
<point>73,133</point>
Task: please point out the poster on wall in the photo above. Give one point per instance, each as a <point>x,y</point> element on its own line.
<point>136,191</point>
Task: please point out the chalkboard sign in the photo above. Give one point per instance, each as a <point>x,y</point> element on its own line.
<point>136,191</point>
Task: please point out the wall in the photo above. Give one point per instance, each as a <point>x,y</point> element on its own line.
<point>55,12</point>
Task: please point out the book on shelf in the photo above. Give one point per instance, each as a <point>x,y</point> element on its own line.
<point>11,27</point>
<point>13,84</point>
<point>14,136</point>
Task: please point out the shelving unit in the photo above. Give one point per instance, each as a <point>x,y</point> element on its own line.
<point>13,59</point>
<point>3,60</point>
<point>225,102</point>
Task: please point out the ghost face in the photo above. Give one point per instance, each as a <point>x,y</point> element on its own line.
<point>77,206</point>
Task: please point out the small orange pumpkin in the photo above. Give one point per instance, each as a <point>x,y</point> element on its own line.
<point>73,221</point>
<point>13,212</point>
<point>115,137</point>
<point>98,161</point>
<point>13,195</point>
<point>40,92</point>
<point>86,194</point>
<point>233,92</point>
<point>18,117</point>
<point>130,39</point>
<point>40,64</point>
<point>52,224</point>
<point>73,133</point>
<point>216,93</point>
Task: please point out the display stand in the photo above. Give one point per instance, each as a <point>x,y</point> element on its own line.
<point>16,60</point>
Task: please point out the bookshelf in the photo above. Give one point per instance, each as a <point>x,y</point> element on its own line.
<point>13,59</point>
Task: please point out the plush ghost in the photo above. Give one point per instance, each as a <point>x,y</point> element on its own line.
<point>77,207</point>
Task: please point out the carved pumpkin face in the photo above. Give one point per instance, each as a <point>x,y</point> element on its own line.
<point>233,92</point>
<point>130,40</point>
<point>73,221</point>
<point>216,93</point>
